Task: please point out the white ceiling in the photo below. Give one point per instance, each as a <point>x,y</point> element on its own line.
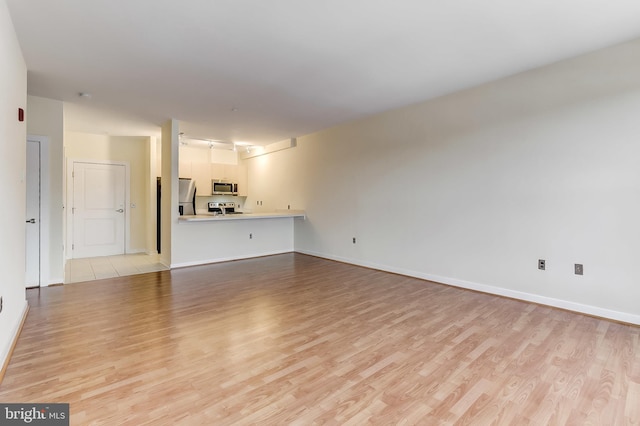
<point>289,67</point>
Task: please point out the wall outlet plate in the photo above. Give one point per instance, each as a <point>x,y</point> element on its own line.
<point>578,269</point>
<point>542,264</point>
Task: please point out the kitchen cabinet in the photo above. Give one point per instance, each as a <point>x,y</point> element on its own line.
<point>216,170</point>
<point>228,172</point>
<point>201,173</point>
<point>184,169</point>
<point>231,172</point>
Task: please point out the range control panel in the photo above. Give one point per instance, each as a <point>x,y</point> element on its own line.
<point>213,205</point>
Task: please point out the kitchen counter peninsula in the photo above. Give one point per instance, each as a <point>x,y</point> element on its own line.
<point>241,216</point>
<point>208,238</point>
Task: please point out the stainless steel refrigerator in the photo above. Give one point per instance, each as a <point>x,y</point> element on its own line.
<point>187,196</point>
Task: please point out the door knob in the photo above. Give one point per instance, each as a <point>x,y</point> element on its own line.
<point>31,221</point>
<point>120,210</point>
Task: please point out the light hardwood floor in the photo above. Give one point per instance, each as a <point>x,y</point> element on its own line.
<point>293,339</point>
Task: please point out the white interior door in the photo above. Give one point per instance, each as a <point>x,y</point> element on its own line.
<point>99,196</point>
<point>32,255</point>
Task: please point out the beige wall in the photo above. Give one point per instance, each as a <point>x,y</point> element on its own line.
<point>46,118</point>
<point>473,188</point>
<point>169,142</point>
<point>133,150</point>
<point>13,135</point>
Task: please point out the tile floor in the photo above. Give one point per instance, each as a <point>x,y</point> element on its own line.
<point>96,268</point>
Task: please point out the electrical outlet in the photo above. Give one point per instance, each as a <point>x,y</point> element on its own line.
<point>250,236</point>
<point>541,264</point>
<point>288,206</point>
<point>354,240</point>
<point>578,269</point>
<point>1,303</point>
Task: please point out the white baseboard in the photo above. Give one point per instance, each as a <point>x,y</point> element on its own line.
<point>136,251</point>
<point>227,259</point>
<point>15,333</point>
<point>499,291</point>
<point>54,281</point>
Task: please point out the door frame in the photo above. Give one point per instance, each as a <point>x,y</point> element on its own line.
<point>69,202</point>
<point>45,206</point>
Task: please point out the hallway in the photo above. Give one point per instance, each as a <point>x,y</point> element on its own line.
<point>96,268</point>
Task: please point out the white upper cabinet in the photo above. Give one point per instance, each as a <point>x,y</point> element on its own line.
<point>216,170</point>
<point>228,172</point>
<point>202,175</point>
<point>184,169</point>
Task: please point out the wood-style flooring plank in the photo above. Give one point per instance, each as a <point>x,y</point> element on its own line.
<point>294,339</point>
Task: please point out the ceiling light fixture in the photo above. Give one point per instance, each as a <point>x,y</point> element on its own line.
<point>210,143</point>
<point>234,146</point>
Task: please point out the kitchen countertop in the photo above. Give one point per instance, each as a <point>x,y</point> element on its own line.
<point>210,217</point>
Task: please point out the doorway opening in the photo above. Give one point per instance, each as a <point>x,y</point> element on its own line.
<point>37,212</point>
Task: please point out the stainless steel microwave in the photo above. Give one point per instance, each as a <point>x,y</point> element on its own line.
<point>223,187</point>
